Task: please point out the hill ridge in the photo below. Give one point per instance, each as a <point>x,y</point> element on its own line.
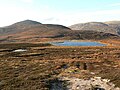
<point>98,26</point>
<point>32,31</point>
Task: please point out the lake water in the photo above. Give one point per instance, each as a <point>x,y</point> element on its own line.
<point>74,43</point>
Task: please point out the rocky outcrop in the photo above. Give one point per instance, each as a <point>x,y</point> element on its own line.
<point>96,83</point>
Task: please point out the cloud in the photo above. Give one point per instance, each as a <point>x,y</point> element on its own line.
<point>48,15</point>
<point>69,18</point>
<point>27,1</point>
<point>115,4</point>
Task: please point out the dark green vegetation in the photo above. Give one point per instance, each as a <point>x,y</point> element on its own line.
<point>42,64</point>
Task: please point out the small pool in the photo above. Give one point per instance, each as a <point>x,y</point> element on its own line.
<point>20,50</point>
<point>74,43</point>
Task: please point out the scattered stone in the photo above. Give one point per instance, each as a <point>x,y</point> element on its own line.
<point>96,83</point>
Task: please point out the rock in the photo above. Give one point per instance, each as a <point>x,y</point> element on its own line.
<point>96,83</point>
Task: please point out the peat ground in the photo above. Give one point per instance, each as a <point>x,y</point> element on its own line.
<point>42,64</point>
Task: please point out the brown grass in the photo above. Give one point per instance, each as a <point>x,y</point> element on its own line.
<point>41,64</point>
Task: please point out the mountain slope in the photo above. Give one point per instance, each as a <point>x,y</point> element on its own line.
<point>113,23</point>
<point>107,27</point>
<point>32,31</point>
<point>18,27</point>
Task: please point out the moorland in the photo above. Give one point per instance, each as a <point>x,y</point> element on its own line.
<point>42,65</point>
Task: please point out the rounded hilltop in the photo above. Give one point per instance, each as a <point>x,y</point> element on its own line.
<point>106,27</point>
<point>26,22</point>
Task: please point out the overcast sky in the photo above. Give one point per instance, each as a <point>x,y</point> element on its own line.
<point>64,12</point>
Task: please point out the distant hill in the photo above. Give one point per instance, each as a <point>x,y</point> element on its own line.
<point>29,29</point>
<point>113,23</point>
<point>26,23</point>
<point>32,31</point>
<point>18,27</point>
<point>112,27</point>
<point>90,35</point>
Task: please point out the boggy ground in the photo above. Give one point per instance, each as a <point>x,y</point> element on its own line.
<point>42,65</point>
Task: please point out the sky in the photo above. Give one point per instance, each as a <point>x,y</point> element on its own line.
<point>64,12</point>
